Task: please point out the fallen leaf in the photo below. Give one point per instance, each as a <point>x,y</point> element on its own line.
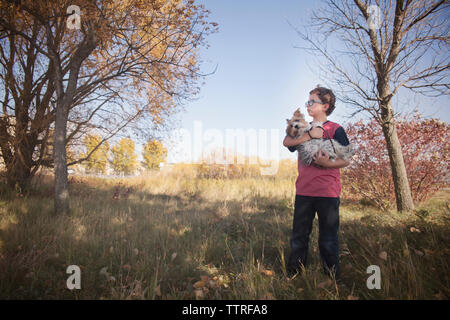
<point>268,296</point>
<point>324,284</point>
<point>269,273</point>
<point>418,252</point>
<point>412,229</point>
<point>199,293</point>
<point>174,255</point>
<point>157,291</point>
<point>222,280</point>
<point>439,296</point>
<point>136,251</point>
<point>103,271</point>
<point>299,290</point>
<point>205,279</point>
<point>405,252</point>
<point>383,255</point>
<point>350,297</point>
<point>199,284</point>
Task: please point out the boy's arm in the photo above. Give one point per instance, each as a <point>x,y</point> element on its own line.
<point>324,161</point>
<point>291,142</point>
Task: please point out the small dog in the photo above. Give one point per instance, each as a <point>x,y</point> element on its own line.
<point>297,126</point>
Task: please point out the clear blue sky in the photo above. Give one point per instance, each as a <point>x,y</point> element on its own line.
<point>260,78</point>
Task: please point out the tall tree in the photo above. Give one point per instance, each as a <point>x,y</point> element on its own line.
<point>153,153</point>
<point>123,157</point>
<point>383,48</point>
<point>109,65</point>
<point>98,160</point>
<point>27,90</point>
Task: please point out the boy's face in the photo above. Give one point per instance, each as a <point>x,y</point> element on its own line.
<point>316,109</point>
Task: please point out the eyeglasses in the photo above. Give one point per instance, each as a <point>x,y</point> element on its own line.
<point>311,102</point>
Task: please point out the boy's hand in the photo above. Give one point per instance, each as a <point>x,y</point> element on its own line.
<point>321,158</point>
<point>316,132</point>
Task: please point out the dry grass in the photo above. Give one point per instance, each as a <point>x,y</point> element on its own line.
<point>180,237</point>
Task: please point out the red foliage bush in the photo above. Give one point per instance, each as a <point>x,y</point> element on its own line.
<point>425,146</point>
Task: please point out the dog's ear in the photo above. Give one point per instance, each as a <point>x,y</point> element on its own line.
<point>298,114</point>
<point>287,120</point>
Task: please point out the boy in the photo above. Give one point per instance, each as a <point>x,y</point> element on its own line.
<point>318,189</point>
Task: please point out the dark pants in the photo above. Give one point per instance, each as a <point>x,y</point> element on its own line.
<point>328,213</point>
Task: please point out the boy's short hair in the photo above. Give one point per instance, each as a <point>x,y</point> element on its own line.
<point>326,96</point>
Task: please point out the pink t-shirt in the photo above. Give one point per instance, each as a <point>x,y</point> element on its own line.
<point>319,182</point>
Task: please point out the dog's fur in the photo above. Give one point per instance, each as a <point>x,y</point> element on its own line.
<point>297,126</point>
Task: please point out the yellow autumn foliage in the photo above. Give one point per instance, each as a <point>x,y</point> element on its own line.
<point>124,159</point>
<point>99,158</point>
<point>154,153</point>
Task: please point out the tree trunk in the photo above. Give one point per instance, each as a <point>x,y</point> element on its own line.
<point>60,162</point>
<point>18,163</point>
<point>18,174</point>
<point>399,176</point>
<point>63,103</point>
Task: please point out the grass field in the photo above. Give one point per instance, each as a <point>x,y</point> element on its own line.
<point>180,237</point>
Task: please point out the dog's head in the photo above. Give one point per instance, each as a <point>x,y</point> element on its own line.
<point>296,124</point>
